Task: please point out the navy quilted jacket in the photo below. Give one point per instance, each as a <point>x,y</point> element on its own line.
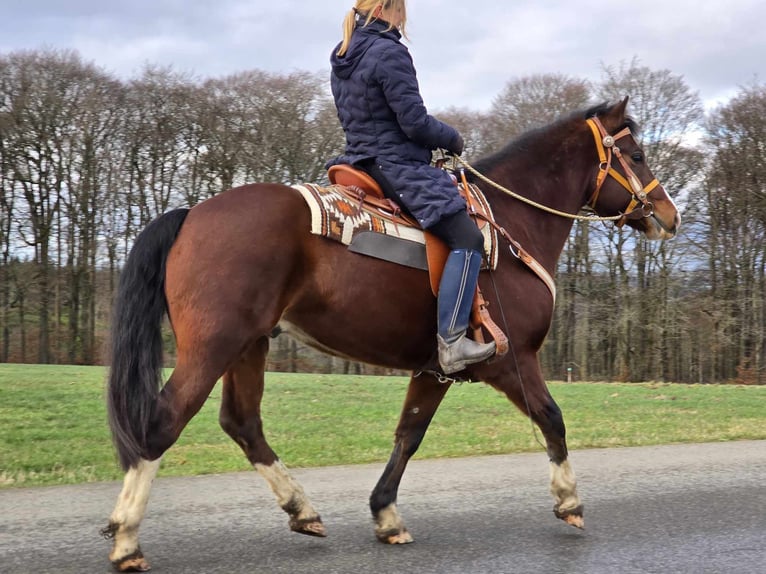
<point>382,113</point>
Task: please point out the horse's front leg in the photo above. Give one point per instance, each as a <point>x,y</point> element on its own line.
<point>424,395</point>
<point>532,397</point>
<point>567,504</point>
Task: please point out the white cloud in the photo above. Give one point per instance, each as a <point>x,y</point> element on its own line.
<point>465,52</point>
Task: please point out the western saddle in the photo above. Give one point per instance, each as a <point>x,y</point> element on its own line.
<point>362,188</point>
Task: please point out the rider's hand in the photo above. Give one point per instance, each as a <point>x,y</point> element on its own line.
<point>458,146</point>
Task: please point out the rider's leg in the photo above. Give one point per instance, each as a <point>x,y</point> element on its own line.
<point>456,293</point>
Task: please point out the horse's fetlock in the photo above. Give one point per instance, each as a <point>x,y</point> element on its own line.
<point>110,531</point>
<point>293,506</point>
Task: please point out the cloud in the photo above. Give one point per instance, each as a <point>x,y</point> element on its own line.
<point>465,52</point>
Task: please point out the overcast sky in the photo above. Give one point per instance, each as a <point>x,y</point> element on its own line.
<point>465,51</point>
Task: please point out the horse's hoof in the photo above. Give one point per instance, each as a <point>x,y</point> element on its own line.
<point>572,517</point>
<point>402,537</point>
<point>310,526</point>
<point>576,521</point>
<point>132,563</point>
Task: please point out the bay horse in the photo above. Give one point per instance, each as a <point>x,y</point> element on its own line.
<point>233,268</point>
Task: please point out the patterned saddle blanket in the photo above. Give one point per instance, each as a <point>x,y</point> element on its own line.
<point>372,229</point>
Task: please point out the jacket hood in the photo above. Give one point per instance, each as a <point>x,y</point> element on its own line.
<point>361,41</point>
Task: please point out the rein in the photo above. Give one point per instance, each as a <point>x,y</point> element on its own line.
<point>607,150</point>
<point>516,249</point>
<point>528,201</point>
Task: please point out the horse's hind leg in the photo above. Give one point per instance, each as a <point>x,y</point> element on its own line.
<point>424,396</point>
<point>181,398</point>
<point>240,417</point>
<point>126,555</point>
<point>534,399</point>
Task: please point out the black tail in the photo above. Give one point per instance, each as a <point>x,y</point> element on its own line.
<point>136,354</point>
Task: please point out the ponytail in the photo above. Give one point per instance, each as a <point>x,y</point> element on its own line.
<point>349,22</point>
<point>365,9</point>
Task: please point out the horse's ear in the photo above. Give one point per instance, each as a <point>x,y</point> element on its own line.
<point>618,110</point>
<point>615,116</point>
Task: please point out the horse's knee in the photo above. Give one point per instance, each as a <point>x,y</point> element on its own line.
<point>408,445</point>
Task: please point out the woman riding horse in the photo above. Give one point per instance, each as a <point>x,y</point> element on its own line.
<point>390,135</point>
<point>235,266</point>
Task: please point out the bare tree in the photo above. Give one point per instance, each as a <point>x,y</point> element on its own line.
<point>533,101</point>
<point>669,113</point>
<point>298,130</point>
<point>477,129</point>
<point>227,128</point>
<point>43,102</point>
<point>736,200</point>
<point>156,115</point>
<point>88,182</point>
<point>7,204</point>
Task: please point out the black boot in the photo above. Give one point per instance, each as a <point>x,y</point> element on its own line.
<point>456,292</point>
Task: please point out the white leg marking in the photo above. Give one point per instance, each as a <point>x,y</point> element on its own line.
<point>564,486</point>
<point>389,520</point>
<point>131,506</point>
<point>289,492</point>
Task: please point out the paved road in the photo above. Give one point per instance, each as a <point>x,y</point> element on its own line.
<point>670,509</point>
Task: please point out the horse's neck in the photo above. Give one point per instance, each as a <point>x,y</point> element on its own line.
<point>541,233</point>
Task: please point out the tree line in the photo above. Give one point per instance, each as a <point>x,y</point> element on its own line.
<point>88,159</point>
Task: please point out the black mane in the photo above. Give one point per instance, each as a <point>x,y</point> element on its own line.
<point>488,162</point>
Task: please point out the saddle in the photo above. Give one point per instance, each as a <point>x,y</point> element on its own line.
<point>364,190</point>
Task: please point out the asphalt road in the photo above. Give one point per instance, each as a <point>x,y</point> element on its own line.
<point>670,509</point>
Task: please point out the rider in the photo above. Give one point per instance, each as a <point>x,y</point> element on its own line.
<point>390,135</point>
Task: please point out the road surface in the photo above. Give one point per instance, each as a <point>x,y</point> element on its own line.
<point>697,508</point>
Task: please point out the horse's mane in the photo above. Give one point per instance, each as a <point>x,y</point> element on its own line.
<point>524,140</point>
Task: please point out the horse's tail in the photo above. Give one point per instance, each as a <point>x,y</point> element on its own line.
<point>133,385</point>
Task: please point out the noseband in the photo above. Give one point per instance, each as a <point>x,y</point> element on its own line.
<point>605,145</point>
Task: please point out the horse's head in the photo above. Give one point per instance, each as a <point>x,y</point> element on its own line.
<point>624,184</point>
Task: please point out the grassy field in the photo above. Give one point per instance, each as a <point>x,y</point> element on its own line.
<point>53,427</point>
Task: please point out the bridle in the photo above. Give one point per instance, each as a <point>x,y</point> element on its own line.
<point>607,150</point>
<point>639,206</point>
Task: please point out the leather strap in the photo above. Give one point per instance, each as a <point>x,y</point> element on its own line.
<point>524,256</point>
<point>607,150</point>
<point>480,313</point>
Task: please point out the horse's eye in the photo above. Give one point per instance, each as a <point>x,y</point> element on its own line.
<point>637,156</point>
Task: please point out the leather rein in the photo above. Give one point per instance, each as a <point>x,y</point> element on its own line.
<point>639,206</point>
<point>607,151</point>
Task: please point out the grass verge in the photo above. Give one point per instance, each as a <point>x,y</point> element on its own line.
<point>53,427</point>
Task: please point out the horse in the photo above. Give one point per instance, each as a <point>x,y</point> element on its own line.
<point>239,265</point>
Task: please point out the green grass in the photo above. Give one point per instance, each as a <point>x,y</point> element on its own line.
<point>53,427</point>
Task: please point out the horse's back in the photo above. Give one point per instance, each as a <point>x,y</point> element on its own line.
<point>246,259</point>
<point>243,208</point>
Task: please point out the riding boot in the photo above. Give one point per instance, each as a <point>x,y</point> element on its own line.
<point>456,292</point>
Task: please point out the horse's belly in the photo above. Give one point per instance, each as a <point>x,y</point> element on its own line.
<point>386,346</point>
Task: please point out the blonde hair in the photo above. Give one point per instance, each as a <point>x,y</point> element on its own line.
<point>366,9</point>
